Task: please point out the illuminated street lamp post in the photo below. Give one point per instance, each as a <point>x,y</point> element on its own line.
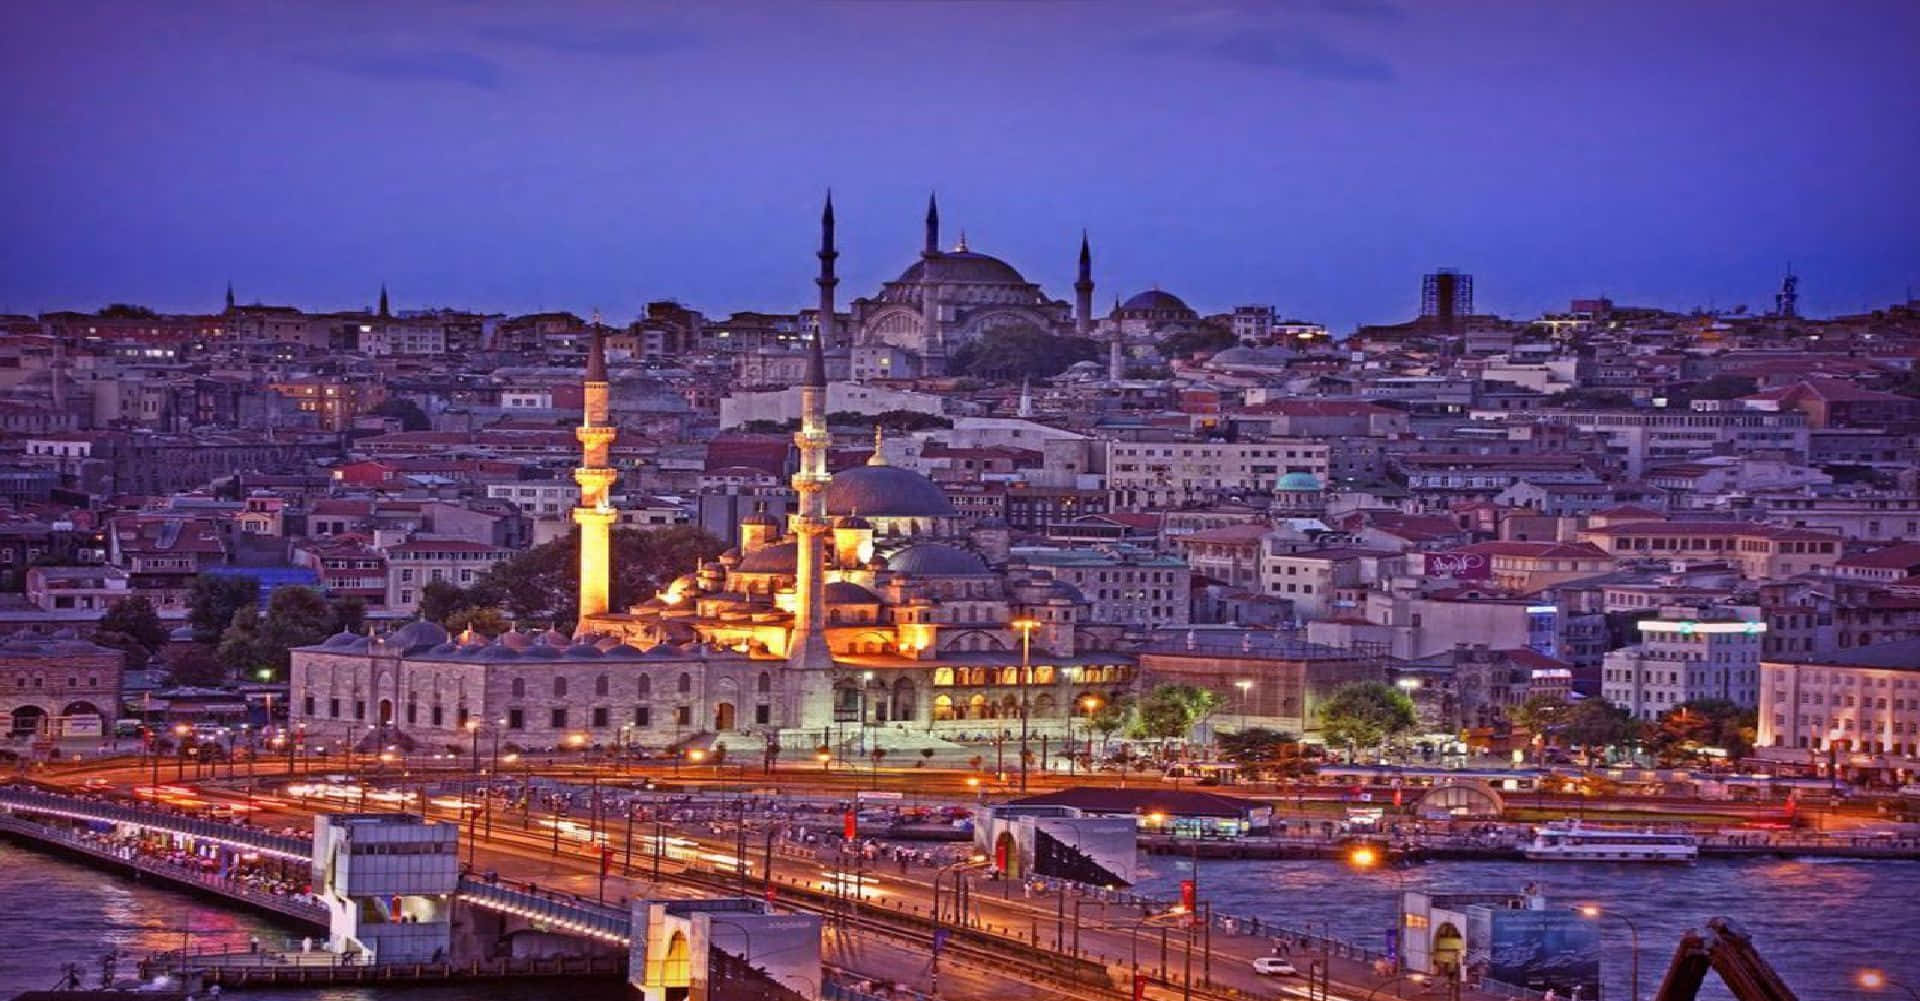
<point>473,731</point>
<point>1090,705</point>
<point>1874,980</point>
<point>1245,686</point>
<point>1026,627</point>
<point>1409,686</point>
<point>1364,858</point>
<point>1633,938</point>
<point>180,732</point>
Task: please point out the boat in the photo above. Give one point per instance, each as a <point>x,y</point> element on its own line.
<point>1571,840</point>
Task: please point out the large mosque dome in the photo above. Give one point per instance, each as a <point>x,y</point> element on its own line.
<point>932,559</point>
<point>1154,300</point>
<point>886,492</point>
<point>962,267</point>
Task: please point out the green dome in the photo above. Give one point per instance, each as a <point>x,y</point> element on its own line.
<point>1300,482</point>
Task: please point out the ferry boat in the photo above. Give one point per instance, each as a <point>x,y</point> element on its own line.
<point>1572,841</point>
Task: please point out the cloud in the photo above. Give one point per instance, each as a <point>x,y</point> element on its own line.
<point>429,65</point>
<point>1304,53</point>
<point>571,39</point>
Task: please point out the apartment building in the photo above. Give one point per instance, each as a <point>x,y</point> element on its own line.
<point>1681,658</point>
<point>1762,552</point>
<point>413,565</point>
<point>1857,709</point>
<point>1143,475</point>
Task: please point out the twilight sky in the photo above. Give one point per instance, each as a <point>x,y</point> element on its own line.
<point>1313,154</point>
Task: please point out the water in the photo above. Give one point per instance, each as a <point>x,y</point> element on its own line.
<point>1817,921</point>
<point>53,912</point>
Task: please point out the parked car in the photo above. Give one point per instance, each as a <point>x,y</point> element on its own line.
<point>1275,966</point>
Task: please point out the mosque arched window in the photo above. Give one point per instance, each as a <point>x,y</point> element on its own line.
<point>519,688</point>
<point>559,688</point>
<point>1043,675</point>
<point>600,685</point>
<point>686,682</point>
<point>765,683</point>
<point>1042,705</point>
<point>942,707</point>
<point>943,677</point>
<point>977,707</point>
<point>644,686</point>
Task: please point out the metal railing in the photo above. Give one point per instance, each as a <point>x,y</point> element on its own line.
<point>610,924</point>
<point>20,800</point>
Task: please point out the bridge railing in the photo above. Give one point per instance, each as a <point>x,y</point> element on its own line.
<point>34,801</point>
<point>578,916</point>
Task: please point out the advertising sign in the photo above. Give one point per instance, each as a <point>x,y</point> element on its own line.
<point>1459,566</point>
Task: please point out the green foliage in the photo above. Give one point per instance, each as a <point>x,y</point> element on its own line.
<point>1690,726</point>
<point>213,600</point>
<point>135,617</point>
<point>1112,716</point>
<point>1009,353</point>
<point>485,621</point>
<point>195,666</point>
<point>349,613</point>
<point>1596,723</point>
<point>1365,713</point>
<point>441,599</point>
<point>1540,713</point>
<point>1257,743</point>
<point>411,417</point>
<point>295,616</point>
<point>1169,712</point>
<point>135,654</point>
<point>1191,342</point>
<point>542,583</point>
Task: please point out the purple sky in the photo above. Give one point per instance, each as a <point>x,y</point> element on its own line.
<point>1314,154</point>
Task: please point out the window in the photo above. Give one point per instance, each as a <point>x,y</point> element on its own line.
<point>333,708</point>
<point>306,706</point>
<point>600,685</point>
<point>519,688</point>
<point>682,716</point>
<point>558,719</point>
<point>645,686</point>
<point>516,719</point>
<point>763,714</point>
<point>686,682</point>
<point>642,715</point>
<point>437,715</point>
<point>600,717</point>
<point>559,688</point>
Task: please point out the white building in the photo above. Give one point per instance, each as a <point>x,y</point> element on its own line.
<point>388,881</point>
<point>538,497</point>
<point>411,566</point>
<point>1862,706</point>
<point>1681,659</point>
<point>781,405</point>
<point>1148,475</point>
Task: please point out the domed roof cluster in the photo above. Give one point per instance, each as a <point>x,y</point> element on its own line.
<point>885,492</point>
<point>780,558</point>
<point>842,592</point>
<point>1156,301</point>
<point>932,559</point>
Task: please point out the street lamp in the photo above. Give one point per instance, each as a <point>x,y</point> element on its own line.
<point>1026,627</point>
<point>473,731</point>
<point>1245,686</point>
<point>1090,704</point>
<point>1633,938</point>
<point>1874,980</point>
<point>1364,857</point>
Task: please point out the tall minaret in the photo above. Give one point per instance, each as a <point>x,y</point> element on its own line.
<point>932,248</point>
<point>229,296</point>
<point>1083,291</point>
<point>808,646</point>
<point>383,300</point>
<point>595,515</point>
<point>827,281</point>
<point>1116,348</point>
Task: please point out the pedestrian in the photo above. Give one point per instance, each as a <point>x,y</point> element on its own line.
<point>253,943</point>
<point>306,944</point>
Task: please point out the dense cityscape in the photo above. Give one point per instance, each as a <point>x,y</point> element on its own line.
<point>961,635</point>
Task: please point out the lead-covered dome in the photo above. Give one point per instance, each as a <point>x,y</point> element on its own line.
<point>931,559</point>
<point>886,492</point>
<point>1156,301</point>
<point>963,267</point>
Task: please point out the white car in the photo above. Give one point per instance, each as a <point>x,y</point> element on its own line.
<point>1275,966</point>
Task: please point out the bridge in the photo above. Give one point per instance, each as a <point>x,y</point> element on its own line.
<point>17,799</point>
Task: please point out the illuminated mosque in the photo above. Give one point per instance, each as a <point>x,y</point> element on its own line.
<point>875,616</point>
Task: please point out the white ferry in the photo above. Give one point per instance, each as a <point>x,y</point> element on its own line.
<point>1570,840</point>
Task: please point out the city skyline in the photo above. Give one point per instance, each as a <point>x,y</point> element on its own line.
<point>1318,156</point>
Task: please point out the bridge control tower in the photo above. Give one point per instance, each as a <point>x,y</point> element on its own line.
<point>388,881</point>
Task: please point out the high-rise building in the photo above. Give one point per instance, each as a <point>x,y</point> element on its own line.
<point>1446,295</point>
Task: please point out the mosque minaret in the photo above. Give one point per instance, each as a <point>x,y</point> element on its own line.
<point>595,515</point>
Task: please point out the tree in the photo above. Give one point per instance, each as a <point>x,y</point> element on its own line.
<point>485,621</point>
<point>1365,713</point>
<point>1687,728</point>
<point>134,653</point>
<point>1020,352</point>
<point>135,617</point>
<point>542,583</point>
<point>254,643</point>
<point>1540,714</point>
<point>1169,712</point>
<point>195,667</point>
<point>1593,723</point>
<point>411,417</point>
<point>1198,341</point>
<point>349,613</point>
<point>213,600</point>
<point>1255,745</point>
<point>1111,718</point>
<point>440,599</point>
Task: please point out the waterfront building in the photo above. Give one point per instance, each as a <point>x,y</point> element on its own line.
<point>1683,656</point>
<point>1857,710</point>
<point>58,685</point>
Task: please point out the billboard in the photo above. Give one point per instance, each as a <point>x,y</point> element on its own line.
<point>1539,950</point>
<point>1459,566</point>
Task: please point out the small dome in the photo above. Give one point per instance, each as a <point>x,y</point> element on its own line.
<point>931,559</point>
<point>842,592</point>
<point>1154,300</point>
<point>780,558</point>
<point>554,637</point>
<point>625,651</point>
<point>541,651</point>
<point>886,492</point>
<point>515,640</point>
<point>343,638</point>
<point>662,651</point>
<point>579,650</point>
<point>853,522</point>
<point>418,635</point>
<point>1299,483</point>
<point>497,651</point>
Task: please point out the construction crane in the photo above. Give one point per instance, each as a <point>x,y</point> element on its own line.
<point>1729,952</point>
